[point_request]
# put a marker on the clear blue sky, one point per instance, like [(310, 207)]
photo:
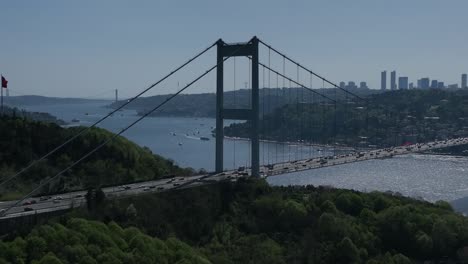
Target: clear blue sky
[(85, 48)]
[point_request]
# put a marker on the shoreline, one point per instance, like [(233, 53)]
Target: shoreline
[(294, 143)]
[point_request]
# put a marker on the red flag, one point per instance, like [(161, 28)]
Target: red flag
[(4, 82)]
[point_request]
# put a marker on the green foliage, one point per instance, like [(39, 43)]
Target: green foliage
[(87, 242), (118, 162), (389, 119), (252, 222)]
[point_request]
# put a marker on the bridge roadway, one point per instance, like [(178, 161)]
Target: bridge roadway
[(75, 199)]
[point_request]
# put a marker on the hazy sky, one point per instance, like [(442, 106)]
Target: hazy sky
[(87, 48)]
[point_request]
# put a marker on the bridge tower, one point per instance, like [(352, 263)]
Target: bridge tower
[(230, 50)]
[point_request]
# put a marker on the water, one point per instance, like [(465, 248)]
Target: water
[(431, 177)]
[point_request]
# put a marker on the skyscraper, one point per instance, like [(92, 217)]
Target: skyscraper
[(424, 83), (403, 83), (363, 85), (419, 86), (434, 84), (393, 80), (383, 80), (464, 83), (411, 86), (441, 85)]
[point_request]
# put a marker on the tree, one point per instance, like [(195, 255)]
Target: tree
[(347, 252)]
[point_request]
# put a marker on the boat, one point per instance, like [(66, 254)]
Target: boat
[(74, 120), (204, 138), (180, 144)]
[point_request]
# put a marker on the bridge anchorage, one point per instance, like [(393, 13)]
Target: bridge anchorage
[(249, 49)]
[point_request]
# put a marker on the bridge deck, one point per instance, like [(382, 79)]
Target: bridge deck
[(66, 201)]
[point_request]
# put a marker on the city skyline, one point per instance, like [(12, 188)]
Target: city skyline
[(422, 83), (62, 48)]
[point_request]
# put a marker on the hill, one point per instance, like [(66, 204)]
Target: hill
[(37, 116), (120, 161), (252, 222), (37, 99), (89, 242), (391, 118), (204, 105)]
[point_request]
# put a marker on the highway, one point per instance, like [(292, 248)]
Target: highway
[(75, 199)]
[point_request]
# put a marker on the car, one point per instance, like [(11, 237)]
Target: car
[(2, 212), (44, 198), (58, 198), (146, 188), (79, 195), (160, 188), (175, 184), (56, 201), (127, 187), (27, 203), (152, 187), (28, 209)]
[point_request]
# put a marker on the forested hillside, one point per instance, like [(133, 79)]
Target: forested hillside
[(37, 116), (252, 222), (390, 118), (204, 105), (120, 161), (89, 242)]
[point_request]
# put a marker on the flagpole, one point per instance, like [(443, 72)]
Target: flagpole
[(2, 96)]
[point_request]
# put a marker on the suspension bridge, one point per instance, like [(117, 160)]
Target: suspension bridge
[(288, 103)]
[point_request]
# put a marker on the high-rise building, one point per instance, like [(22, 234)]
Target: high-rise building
[(453, 86), (351, 85), (342, 85), (440, 85), (411, 86), (464, 81), (393, 80), (434, 84), (403, 83), (383, 80), (425, 83), (363, 85), (419, 84)]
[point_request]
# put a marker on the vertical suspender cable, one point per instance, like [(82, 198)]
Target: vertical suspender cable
[(235, 106), (269, 102)]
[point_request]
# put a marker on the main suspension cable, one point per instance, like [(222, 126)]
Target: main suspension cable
[(84, 130), (121, 131)]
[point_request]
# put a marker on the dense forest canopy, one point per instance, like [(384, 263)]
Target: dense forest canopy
[(252, 222), (90, 242), (385, 119), (120, 161)]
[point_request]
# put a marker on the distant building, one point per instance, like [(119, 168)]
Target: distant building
[(434, 84), (440, 85), (342, 85), (403, 83), (383, 80), (393, 80), (419, 86), (411, 86), (351, 85), (452, 86), (425, 83), (363, 85), (464, 83)]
